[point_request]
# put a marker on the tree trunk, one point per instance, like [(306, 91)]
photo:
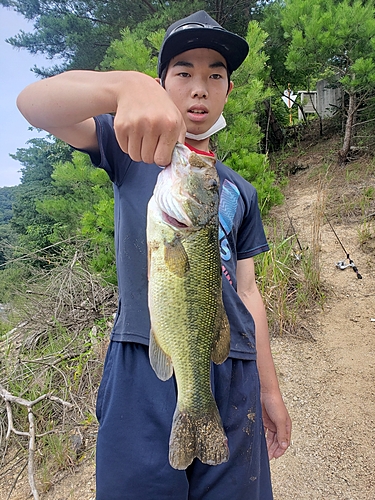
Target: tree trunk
[(343, 154), (274, 133)]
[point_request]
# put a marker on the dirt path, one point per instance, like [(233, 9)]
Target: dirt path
[(327, 382)]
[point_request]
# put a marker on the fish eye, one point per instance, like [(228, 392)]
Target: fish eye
[(212, 183)]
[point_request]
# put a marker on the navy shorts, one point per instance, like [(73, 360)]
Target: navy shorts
[(135, 411)]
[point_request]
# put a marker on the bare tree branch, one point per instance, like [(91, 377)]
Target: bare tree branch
[(8, 398)]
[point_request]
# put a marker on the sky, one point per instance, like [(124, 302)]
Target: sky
[(16, 73)]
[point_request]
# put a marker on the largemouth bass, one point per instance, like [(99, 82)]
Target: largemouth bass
[(189, 326)]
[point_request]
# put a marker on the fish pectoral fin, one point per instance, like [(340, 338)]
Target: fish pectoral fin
[(176, 258), (160, 362), (221, 341)]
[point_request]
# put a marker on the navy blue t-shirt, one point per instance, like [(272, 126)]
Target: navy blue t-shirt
[(241, 236)]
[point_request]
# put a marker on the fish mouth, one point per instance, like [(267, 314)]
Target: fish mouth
[(173, 222)]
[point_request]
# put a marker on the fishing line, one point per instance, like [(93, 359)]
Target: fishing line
[(341, 264)]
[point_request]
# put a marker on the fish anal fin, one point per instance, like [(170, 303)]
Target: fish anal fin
[(160, 362), (221, 341), (176, 258)]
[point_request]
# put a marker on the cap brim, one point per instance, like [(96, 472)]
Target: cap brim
[(231, 46)]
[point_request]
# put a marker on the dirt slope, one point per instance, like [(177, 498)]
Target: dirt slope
[(328, 379), (328, 384)]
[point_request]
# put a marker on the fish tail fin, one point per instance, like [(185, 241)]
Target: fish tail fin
[(200, 436)]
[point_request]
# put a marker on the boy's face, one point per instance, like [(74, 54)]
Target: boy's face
[(197, 82)]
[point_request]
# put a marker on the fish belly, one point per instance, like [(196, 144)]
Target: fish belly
[(188, 329)]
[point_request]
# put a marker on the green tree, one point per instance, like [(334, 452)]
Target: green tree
[(135, 50), (79, 33), (334, 40), (239, 144), (81, 208), (276, 48), (6, 202), (37, 163), (7, 195)]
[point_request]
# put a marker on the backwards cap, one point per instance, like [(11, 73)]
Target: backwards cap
[(201, 31)]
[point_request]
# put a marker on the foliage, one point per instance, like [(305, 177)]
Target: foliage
[(6, 201), (255, 168), (79, 33), (11, 276), (57, 202), (82, 207), (6, 211), (276, 45), (132, 52), (334, 40), (37, 160), (287, 282), (238, 145)]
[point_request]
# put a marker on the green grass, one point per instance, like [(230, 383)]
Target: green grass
[(289, 283)]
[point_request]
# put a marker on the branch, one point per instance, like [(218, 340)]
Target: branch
[(150, 7), (8, 398)]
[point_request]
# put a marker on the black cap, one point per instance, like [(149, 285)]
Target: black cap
[(201, 31)]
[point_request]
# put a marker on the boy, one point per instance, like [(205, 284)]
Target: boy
[(134, 407)]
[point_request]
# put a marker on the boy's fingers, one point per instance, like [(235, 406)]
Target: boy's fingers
[(134, 147), (148, 148), (151, 138), (182, 136), (163, 152), (167, 142)]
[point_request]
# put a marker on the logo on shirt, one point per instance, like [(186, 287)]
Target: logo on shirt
[(227, 211)]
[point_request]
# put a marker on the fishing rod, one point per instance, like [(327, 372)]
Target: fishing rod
[(341, 264)]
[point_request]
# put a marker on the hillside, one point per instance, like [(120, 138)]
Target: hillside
[(326, 367), (327, 376)]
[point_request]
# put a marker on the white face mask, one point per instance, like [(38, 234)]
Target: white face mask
[(218, 125)]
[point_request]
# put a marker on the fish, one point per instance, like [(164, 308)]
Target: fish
[(189, 325)]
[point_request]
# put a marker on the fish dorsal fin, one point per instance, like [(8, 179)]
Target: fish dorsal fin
[(160, 362), (176, 258), (221, 341)]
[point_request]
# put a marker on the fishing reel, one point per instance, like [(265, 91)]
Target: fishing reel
[(341, 264)]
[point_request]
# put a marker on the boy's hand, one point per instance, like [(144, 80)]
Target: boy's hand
[(148, 125), (277, 425)]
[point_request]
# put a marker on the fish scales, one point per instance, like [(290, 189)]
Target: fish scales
[(189, 326)]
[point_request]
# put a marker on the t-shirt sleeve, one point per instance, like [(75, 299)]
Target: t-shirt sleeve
[(251, 238), (109, 150)]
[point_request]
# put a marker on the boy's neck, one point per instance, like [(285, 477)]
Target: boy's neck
[(201, 145)]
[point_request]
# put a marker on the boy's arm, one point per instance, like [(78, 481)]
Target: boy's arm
[(147, 123), (276, 419)]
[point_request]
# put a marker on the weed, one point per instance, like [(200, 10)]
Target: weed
[(366, 232), (324, 170), (58, 350), (287, 282)]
